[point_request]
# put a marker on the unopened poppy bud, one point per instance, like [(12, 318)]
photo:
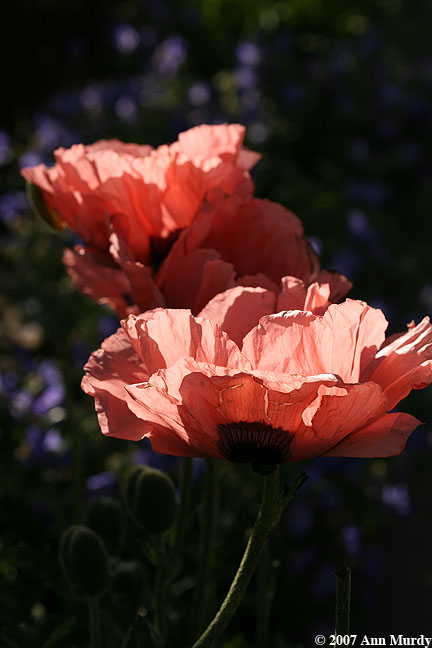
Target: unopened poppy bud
[(105, 516), (129, 579), (84, 561), (151, 499), (40, 209)]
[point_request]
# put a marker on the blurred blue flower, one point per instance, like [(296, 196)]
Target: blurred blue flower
[(126, 109), (126, 38), (20, 403), (91, 99), (8, 382), (199, 93), (12, 205), (44, 448), (396, 496), (351, 539), (50, 133), (247, 53), (29, 159), (53, 441), (102, 483), (169, 55), (6, 152), (54, 393), (245, 77)]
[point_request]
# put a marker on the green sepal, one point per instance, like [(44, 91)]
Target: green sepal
[(49, 217)]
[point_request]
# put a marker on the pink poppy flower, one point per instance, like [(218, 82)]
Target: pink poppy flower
[(144, 195), (302, 385), (231, 242), (237, 310)]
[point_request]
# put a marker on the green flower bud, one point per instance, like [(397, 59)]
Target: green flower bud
[(41, 210), (151, 499), (84, 561), (129, 579), (105, 516)]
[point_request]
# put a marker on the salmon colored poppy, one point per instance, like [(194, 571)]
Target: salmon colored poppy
[(237, 310), (231, 242), (144, 195), (302, 385)]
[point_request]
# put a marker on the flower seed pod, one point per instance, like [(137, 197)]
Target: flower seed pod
[(105, 516), (151, 499), (84, 561)]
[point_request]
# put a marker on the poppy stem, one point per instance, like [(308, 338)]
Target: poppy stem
[(208, 528), (269, 514), (94, 622), (162, 583), (266, 587), (184, 507), (343, 594)]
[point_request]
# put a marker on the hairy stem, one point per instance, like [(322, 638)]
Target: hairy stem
[(184, 507), (343, 595), (269, 514), (208, 528), (94, 622)]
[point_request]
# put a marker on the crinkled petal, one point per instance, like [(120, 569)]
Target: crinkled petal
[(384, 437), (94, 274), (163, 336), (342, 341), (239, 309), (404, 364), (190, 281), (108, 371)]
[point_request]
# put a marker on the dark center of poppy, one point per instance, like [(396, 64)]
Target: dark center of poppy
[(257, 443)]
